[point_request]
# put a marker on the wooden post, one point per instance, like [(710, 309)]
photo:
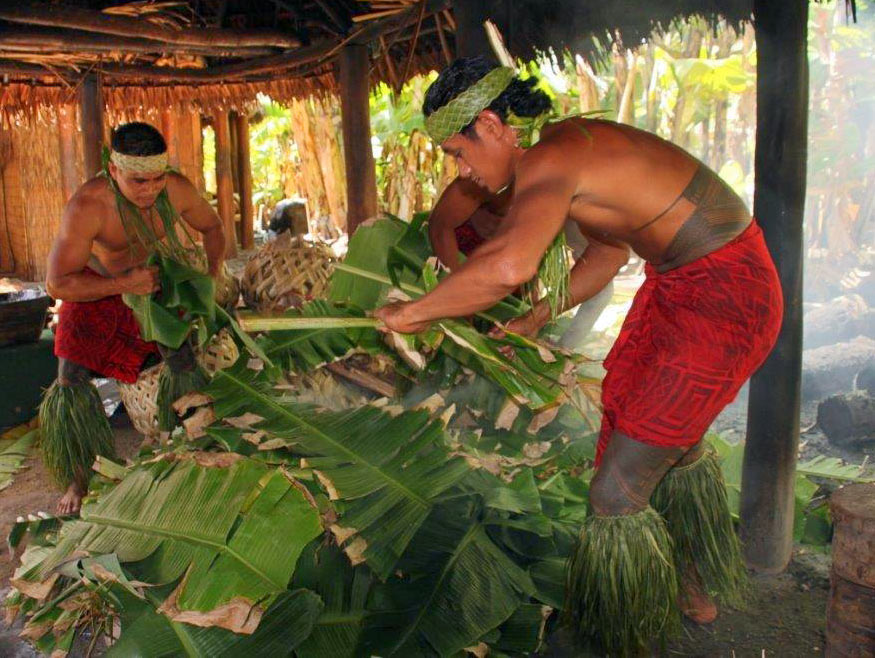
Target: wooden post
[(169, 128), (224, 184), (769, 467), (67, 150), (244, 170), (361, 175), (91, 121)]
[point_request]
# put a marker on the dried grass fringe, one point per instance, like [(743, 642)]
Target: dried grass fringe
[(74, 429), (171, 387), (693, 501), (621, 589)]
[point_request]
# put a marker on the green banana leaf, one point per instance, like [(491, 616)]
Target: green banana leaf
[(338, 631), (307, 349), (13, 453), (186, 294), (386, 470), (466, 586), (235, 531), (150, 634)]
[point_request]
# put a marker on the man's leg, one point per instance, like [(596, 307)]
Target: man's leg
[(692, 499), (622, 584), (74, 430)]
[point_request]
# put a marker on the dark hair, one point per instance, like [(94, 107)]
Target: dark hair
[(137, 138), (520, 97)]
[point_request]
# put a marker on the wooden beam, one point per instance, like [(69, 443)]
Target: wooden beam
[(52, 40), (244, 169), (54, 15), (91, 122), (768, 472), (445, 47), (361, 183), (67, 150), (224, 184), (341, 22)]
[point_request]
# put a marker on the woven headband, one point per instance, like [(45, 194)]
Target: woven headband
[(464, 108), (140, 164)]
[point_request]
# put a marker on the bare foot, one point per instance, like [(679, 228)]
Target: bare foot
[(71, 501), (695, 603)]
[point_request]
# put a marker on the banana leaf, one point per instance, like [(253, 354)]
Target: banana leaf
[(338, 631), (235, 531), (466, 586), (13, 453), (385, 470), (186, 294), (147, 633), (307, 349)]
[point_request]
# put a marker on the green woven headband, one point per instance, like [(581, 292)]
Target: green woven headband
[(464, 108)]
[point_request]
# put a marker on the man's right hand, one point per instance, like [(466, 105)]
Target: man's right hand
[(141, 281)]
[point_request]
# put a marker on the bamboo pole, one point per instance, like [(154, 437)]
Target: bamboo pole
[(169, 129), (53, 15), (361, 176), (91, 122), (224, 184), (244, 169), (768, 470), (445, 47), (67, 150)]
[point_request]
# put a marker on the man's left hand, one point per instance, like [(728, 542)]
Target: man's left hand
[(397, 317)]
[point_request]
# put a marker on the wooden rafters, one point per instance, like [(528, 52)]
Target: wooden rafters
[(29, 13)]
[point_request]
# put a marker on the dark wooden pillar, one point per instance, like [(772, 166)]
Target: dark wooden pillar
[(67, 150), (224, 184), (244, 170), (361, 175), (91, 121), (779, 199)]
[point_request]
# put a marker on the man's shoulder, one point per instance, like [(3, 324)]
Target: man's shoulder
[(181, 190), (92, 196)]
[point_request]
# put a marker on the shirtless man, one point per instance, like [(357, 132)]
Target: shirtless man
[(94, 260), (466, 215), (706, 317)]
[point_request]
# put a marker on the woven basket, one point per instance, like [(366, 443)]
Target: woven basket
[(141, 397), (286, 272), (141, 401)]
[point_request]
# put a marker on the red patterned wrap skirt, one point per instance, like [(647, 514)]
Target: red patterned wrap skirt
[(692, 337), (102, 335)]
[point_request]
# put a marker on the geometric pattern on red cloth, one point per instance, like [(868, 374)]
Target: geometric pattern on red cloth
[(102, 335), (692, 338), (467, 237)]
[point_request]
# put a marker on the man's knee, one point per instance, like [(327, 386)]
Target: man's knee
[(609, 495), (70, 373)]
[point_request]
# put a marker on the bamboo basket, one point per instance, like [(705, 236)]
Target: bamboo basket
[(285, 273), (141, 397)]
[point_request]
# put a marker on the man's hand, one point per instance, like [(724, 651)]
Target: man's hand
[(141, 281), (397, 317), (525, 325)]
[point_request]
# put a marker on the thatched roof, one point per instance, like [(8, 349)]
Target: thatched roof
[(221, 52)]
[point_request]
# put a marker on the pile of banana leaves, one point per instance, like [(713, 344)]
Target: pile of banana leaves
[(434, 522), (289, 519)]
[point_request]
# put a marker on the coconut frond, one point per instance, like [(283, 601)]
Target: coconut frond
[(232, 527), (693, 501), (73, 431), (387, 470), (13, 452), (621, 583)]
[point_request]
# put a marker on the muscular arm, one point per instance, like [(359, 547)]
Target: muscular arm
[(65, 279), (198, 214), (456, 204), (541, 202)]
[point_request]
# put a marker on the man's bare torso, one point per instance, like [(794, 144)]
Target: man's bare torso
[(113, 250), (629, 186)]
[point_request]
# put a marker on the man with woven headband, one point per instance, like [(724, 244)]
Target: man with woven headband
[(659, 539), (94, 260)]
